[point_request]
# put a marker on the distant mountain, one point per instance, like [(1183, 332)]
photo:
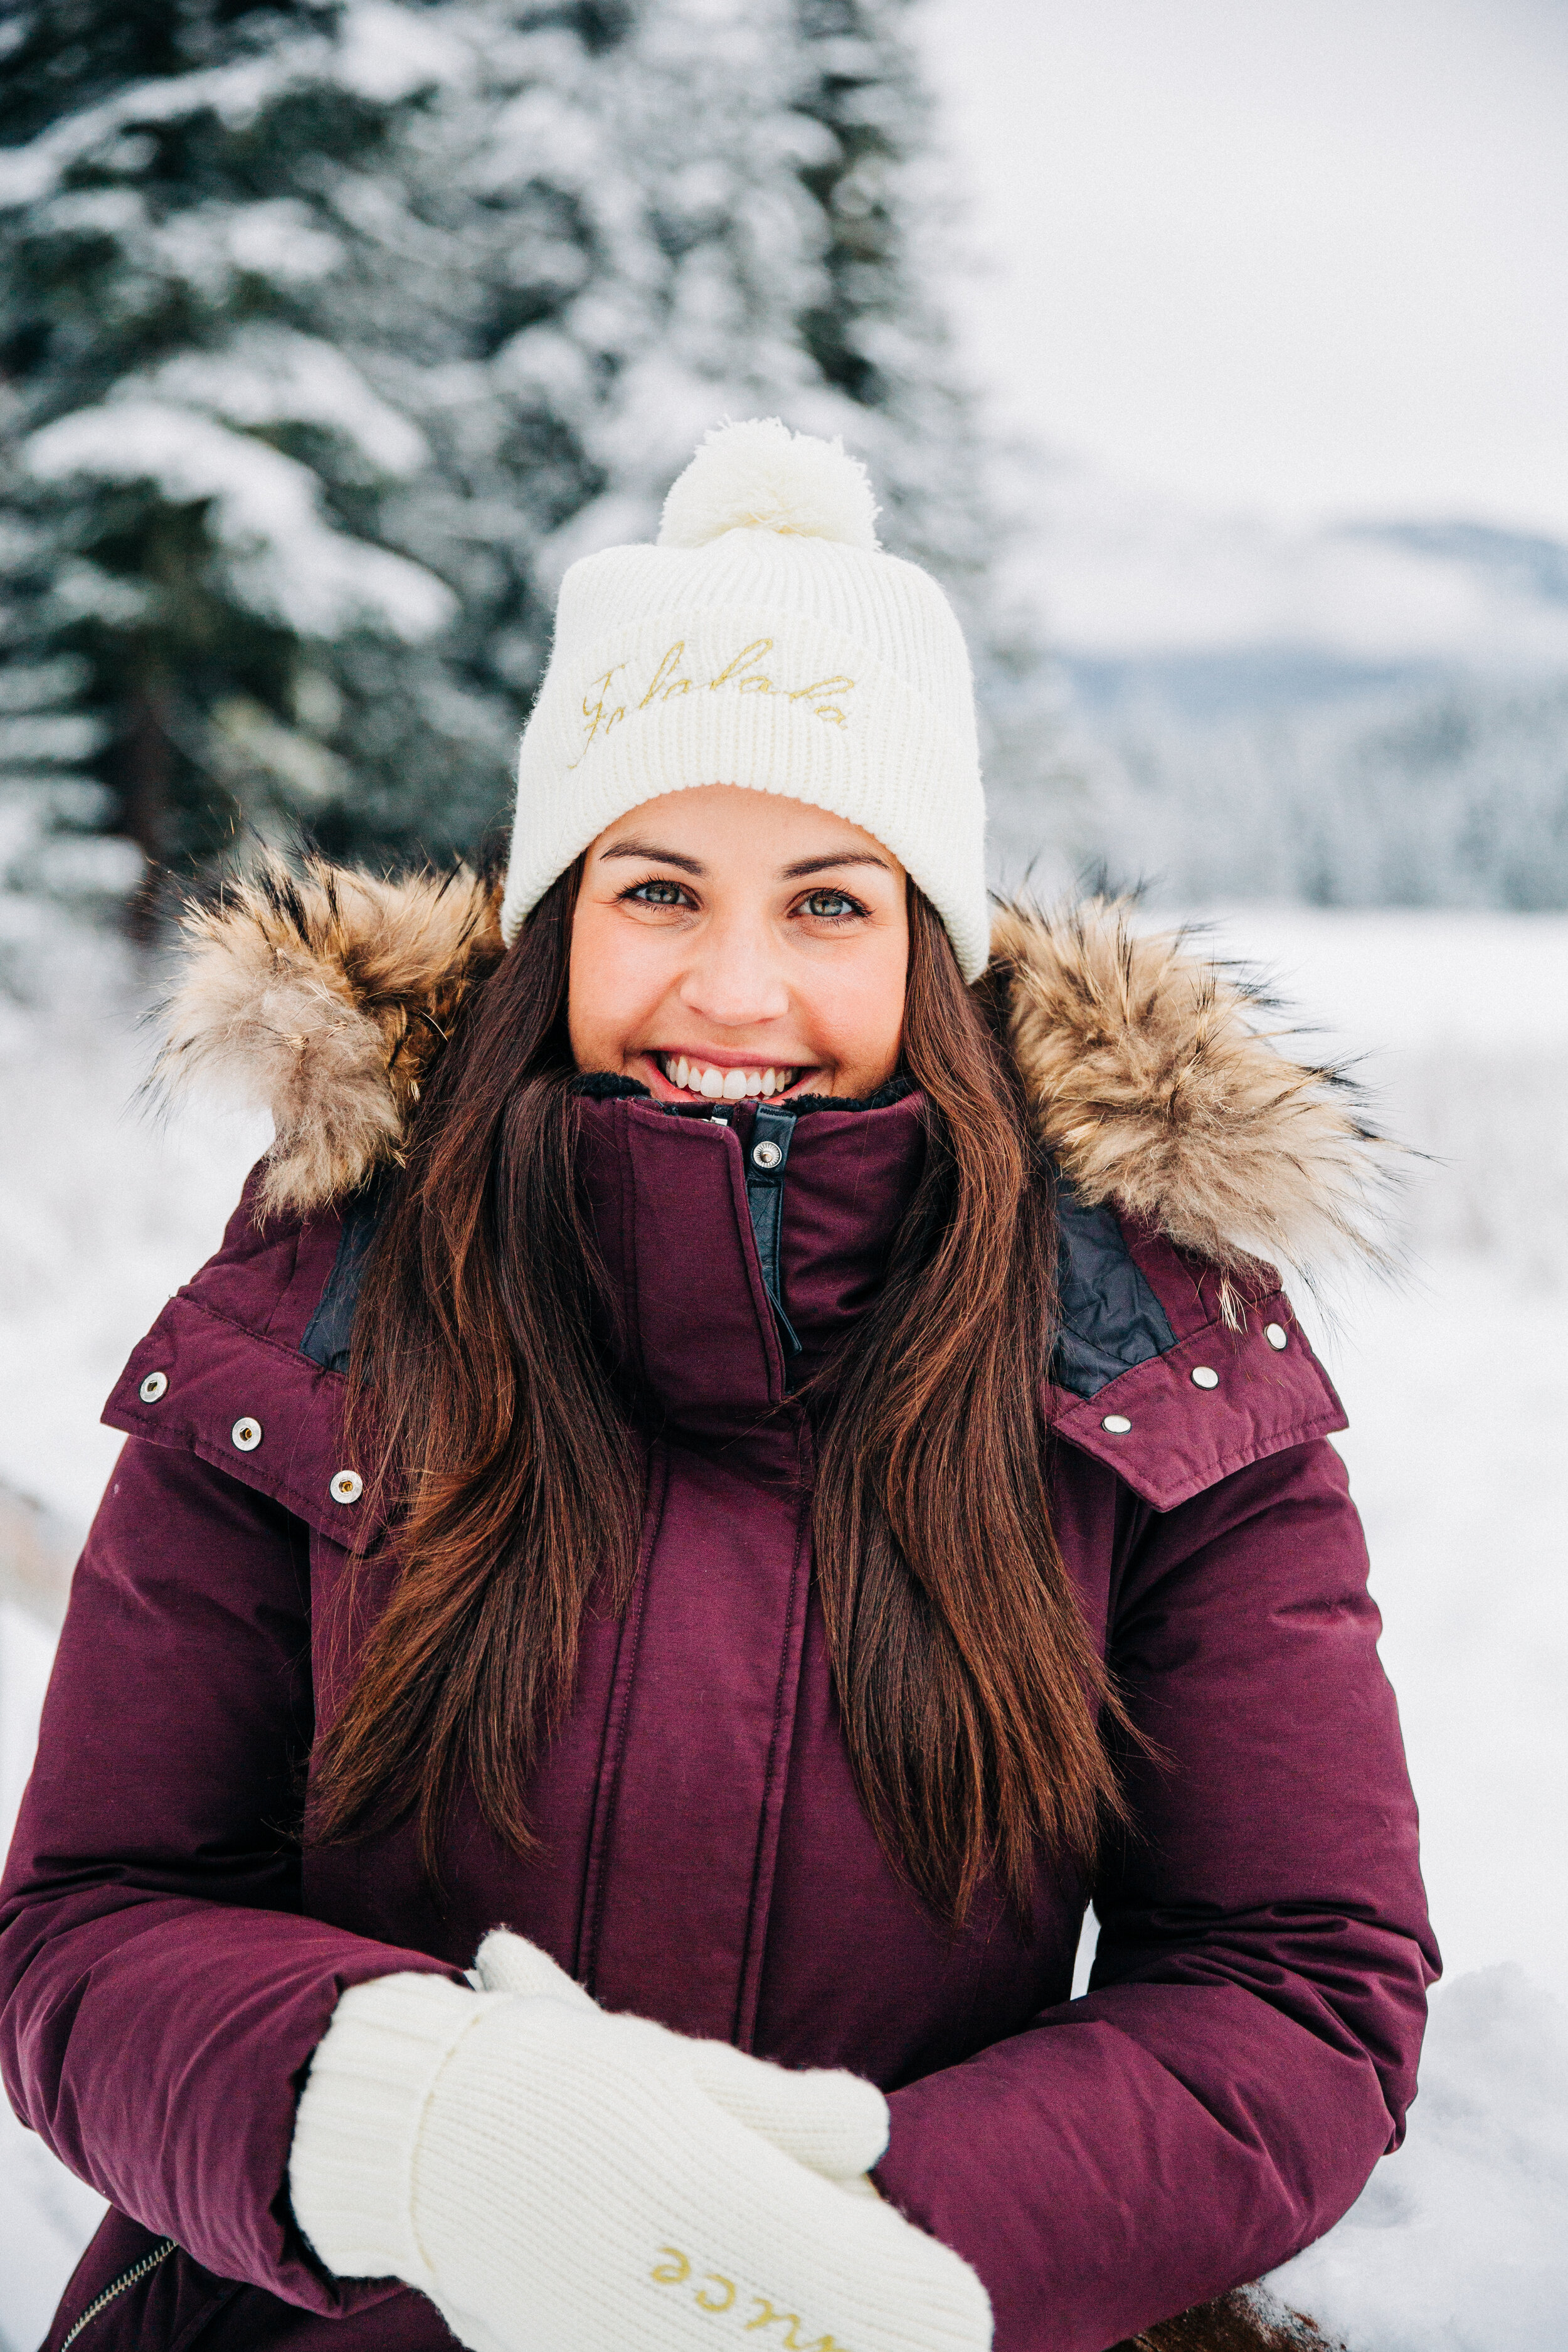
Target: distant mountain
[(1524, 561), (1363, 712), (1122, 575)]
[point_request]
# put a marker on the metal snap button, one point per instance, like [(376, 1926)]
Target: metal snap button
[(1203, 1377), (1277, 1335), (346, 1487), (154, 1387), (766, 1154), (1117, 1424), (246, 1433)]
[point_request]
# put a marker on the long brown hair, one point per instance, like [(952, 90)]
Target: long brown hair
[(969, 1689)]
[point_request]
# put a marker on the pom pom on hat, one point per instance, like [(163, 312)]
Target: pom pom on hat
[(759, 475)]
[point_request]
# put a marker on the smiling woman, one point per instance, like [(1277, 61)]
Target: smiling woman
[(732, 944), (738, 1462)]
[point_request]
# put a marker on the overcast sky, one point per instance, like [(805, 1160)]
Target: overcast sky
[(1304, 258)]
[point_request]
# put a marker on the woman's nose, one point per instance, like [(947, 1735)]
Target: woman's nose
[(735, 982)]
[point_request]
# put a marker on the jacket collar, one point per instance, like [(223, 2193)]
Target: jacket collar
[(699, 1332), (1169, 1373)]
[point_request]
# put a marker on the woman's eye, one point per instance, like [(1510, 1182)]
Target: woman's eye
[(658, 893), (830, 905)]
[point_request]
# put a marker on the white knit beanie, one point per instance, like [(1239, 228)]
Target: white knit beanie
[(765, 641)]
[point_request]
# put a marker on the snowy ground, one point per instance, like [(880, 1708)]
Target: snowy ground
[(1457, 1385)]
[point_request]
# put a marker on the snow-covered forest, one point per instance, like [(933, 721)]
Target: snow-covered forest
[(1350, 716), (330, 332), (334, 336)]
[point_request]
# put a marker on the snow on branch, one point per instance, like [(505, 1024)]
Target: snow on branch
[(284, 558)]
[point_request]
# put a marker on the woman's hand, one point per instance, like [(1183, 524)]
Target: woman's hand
[(549, 2174), (833, 2121)]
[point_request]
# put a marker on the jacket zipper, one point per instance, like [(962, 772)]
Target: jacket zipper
[(772, 1134), (159, 2253)]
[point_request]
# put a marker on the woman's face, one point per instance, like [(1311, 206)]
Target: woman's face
[(730, 943)]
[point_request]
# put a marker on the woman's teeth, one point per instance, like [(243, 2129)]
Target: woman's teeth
[(724, 1085)]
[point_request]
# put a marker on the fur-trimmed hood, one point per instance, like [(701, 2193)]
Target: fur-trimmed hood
[(325, 995)]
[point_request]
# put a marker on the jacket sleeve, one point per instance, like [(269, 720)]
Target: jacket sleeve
[(1247, 2046), (159, 1991)]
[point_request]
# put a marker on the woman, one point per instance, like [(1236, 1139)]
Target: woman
[(739, 1459)]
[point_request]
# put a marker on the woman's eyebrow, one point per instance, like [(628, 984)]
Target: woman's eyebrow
[(650, 849), (794, 872), (820, 865)]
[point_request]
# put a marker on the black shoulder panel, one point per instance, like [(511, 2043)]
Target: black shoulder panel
[(1110, 1318), (329, 1335)]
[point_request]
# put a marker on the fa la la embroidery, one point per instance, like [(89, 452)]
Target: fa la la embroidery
[(741, 672)]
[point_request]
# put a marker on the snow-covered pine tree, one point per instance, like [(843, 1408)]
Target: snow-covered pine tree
[(783, 152), (875, 331), (201, 458), (50, 805), (589, 256), (770, 239), (335, 330)]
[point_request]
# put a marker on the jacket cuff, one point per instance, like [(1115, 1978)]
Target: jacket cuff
[(350, 2166)]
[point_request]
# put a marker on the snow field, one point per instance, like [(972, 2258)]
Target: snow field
[(1457, 2244), (1455, 1381), (108, 1200), (1457, 1385)]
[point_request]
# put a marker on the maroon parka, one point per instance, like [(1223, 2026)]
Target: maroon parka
[(169, 1955)]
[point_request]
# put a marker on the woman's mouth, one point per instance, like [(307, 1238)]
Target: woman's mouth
[(724, 1085)]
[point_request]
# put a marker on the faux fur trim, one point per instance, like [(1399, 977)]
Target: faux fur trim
[(324, 994), (1155, 1085)]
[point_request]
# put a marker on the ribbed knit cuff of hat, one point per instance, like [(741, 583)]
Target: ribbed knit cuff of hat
[(351, 2168)]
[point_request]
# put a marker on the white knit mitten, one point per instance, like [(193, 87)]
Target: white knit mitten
[(833, 2121), (555, 2180)]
